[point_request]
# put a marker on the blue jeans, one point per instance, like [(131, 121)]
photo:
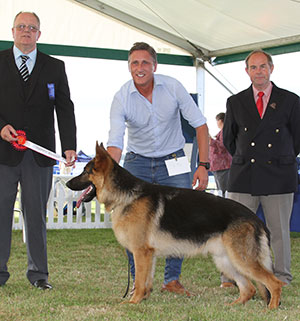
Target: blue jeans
[(154, 170)]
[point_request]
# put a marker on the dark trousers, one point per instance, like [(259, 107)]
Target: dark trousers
[(35, 185)]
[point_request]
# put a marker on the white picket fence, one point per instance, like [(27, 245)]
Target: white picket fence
[(61, 213)]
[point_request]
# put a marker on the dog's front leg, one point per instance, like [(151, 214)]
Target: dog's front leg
[(143, 259), (149, 283)]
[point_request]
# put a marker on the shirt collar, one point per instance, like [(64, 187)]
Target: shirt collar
[(18, 53), (157, 81), (267, 91)]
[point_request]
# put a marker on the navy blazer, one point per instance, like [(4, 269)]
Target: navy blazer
[(32, 110), (264, 150)]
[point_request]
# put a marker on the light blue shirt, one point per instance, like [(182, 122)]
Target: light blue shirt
[(29, 63), (154, 129)]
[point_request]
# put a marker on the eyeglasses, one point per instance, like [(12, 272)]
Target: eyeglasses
[(31, 28)]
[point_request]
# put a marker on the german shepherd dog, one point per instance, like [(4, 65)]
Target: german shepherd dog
[(153, 220)]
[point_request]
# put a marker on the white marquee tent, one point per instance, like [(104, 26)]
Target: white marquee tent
[(202, 28), (184, 32), (210, 28)]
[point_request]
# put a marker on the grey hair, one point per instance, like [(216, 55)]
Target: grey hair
[(269, 57)]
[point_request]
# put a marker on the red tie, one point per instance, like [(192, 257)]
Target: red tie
[(259, 103)]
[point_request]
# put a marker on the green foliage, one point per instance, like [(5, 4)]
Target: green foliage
[(88, 270)]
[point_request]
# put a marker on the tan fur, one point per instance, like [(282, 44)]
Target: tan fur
[(235, 252)]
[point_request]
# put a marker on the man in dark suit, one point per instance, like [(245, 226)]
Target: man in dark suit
[(264, 149), (28, 98)]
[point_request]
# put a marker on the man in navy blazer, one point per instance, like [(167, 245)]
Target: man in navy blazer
[(29, 105), (264, 149)]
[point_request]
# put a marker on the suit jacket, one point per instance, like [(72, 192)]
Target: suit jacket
[(31, 107), (264, 150)]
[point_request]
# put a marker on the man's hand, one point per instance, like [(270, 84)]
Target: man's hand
[(200, 176), (70, 157), (115, 153), (8, 133)]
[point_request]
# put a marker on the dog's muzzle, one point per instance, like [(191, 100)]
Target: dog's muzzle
[(87, 195)]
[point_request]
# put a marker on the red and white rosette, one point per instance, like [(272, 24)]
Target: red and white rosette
[(22, 144)]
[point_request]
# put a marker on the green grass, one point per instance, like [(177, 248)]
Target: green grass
[(88, 270)]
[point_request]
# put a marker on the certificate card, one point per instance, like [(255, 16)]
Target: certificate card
[(176, 166)]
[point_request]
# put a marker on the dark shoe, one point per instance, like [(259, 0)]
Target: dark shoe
[(42, 285), (176, 287)]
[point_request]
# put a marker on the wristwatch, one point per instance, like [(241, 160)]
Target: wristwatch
[(205, 164)]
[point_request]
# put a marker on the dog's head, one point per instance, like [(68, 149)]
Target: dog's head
[(91, 180)]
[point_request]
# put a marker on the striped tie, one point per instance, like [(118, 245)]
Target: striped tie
[(23, 68)]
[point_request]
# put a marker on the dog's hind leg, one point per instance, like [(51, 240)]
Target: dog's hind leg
[(246, 288), (251, 256), (264, 292), (269, 286), (143, 259)]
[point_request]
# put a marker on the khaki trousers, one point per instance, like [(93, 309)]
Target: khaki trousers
[(277, 211)]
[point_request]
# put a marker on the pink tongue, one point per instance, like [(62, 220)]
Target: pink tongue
[(82, 196)]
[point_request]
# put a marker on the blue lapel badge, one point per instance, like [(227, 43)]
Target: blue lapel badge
[(51, 91)]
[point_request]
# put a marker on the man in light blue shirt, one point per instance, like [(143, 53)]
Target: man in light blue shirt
[(149, 106)]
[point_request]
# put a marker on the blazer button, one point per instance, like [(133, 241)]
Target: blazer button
[(277, 130), (252, 144), (269, 162), (269, 145), (252, 160), (245, 129)]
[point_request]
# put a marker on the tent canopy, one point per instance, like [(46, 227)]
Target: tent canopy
[(212, 28)]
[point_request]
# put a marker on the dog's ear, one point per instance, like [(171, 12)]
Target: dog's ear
[(102, 158), (100, 151), (99, 146)]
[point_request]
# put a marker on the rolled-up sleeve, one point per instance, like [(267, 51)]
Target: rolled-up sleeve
[(190, 111)]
